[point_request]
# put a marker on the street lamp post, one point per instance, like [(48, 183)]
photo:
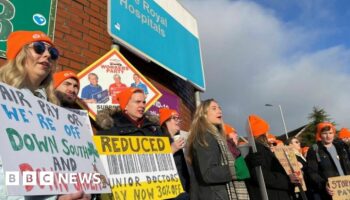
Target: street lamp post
[(284, 123)]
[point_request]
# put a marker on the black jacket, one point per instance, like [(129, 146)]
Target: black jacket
[(277, 182), (210, 177), (321, 166), (182, 169), (122, 125)]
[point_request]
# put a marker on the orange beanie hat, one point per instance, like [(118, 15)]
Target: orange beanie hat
[(271, 137), (61, 76), (258, 125), (228, 129), (304, 150), (18, 39), (344, 133), (279, 142), (125, 95), (165, 114), (322, 125)]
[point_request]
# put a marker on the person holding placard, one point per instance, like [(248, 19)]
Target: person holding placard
[(31, 61), (296, 144), (325, 159), (278, 184), (170, 125), (211, 161), (129, 119)]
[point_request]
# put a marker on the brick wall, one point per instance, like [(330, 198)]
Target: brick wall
[(81, 32), (81, 37)]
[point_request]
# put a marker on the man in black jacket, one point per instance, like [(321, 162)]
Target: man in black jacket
[(327, 158), (130, 119)]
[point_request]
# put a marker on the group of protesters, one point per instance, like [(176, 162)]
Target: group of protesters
[(209, 163)]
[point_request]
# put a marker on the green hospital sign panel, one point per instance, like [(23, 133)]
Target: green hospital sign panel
[(25, 15)]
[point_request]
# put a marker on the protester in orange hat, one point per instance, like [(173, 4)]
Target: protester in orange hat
[(344, 135), (130, 119), (170, 120), (241, 169), (325, 159), (231, 133), (304, 151), (279, 143), (321, 126), (31, 61), (271, 137), (66, 84), (272, 141), (258, 126), (278, 184)]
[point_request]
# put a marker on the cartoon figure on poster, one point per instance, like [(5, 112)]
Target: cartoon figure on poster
[(89, 92), (103, 80), (138, 84), (115, 88)]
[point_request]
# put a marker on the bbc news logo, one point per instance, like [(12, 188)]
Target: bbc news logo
[(28, 178)]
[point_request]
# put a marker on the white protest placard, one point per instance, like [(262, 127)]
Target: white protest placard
[(139, 167), (47, 149)]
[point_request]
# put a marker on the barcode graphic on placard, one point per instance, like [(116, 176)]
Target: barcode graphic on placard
[(137, 163)]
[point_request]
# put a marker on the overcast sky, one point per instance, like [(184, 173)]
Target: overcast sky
[(292, 53)]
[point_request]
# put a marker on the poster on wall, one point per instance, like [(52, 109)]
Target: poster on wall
[(103, 80), (46, 149), (167, 100), (26, 15)]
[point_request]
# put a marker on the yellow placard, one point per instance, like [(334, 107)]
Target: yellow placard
[(113, 145), (139, 167)]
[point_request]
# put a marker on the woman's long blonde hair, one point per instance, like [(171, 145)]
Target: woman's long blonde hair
[(14, 74), (200, 125)]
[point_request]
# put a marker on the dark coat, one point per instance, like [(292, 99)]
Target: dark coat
[(210, 177), (277, 181), (182, 169), (122, 125), (321, 166), (304, 169)]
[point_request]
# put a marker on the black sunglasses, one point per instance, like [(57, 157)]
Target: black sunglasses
[(40, 47), (273, 144)]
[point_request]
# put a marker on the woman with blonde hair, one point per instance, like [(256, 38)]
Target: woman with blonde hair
[(212, 163), (31, 61), (29, 66)]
